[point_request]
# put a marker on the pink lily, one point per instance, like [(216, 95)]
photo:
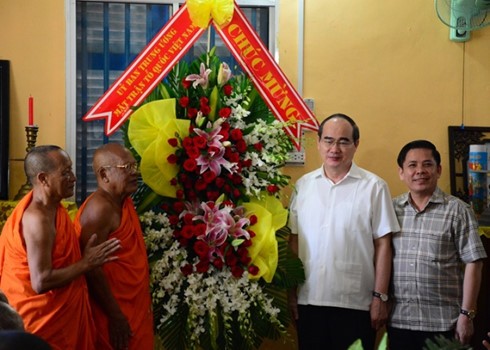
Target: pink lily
[(214, 160), (200, 79)]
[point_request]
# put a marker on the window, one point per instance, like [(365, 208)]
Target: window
[(109, 35)]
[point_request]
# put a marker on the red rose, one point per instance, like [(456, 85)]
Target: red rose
[(187, 142), (191, 113), (258, 146), (173, 142), (225, 134), (203, 101), (231, 259), (192, 152), (213, 149), (180, 194), (225, 126), (227, 89), (219, 182), (172, 159), (253, 219), (236, 179), (202, 266), (178, 206), (247, 163), (205, 110), (186, 269), (245, 260), (200, 142), (237, 271), (201, 249), (188, 218), (173, 219), (233, 157), (272, 188), (190, 164), (209, 176), (184, 101), (253, 270), (186, 83), (187, 231), (241, 146), (201, 184), (236, 134), (236, 193), (212, 195), (200, 229), (229, 203), (247, 243), (218, 263), (225, 112)]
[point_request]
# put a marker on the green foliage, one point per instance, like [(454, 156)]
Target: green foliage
[(441, 342)]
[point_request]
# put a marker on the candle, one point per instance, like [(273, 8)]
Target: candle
[(31, 111)]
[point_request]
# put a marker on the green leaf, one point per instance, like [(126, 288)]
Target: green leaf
[(213, 103), (441, 342), (163, 91), (237, 242)]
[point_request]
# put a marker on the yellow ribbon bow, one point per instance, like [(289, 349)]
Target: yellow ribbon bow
[(202, 11), (264, 249), (150, 128)]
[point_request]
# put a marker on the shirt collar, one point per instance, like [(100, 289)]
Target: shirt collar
[(437, 197), (354, 172)]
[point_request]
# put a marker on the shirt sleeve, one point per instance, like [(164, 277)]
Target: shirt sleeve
[(468, 240), (293, 213), (384, 217)]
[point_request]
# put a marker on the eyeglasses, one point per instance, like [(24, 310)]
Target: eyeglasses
[(129, 167), (342, 143)]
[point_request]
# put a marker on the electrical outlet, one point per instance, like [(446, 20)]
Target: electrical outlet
[(296, 158), (310, 103)]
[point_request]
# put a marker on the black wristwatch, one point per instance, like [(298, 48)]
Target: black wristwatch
[(471, 314), (382, 296)]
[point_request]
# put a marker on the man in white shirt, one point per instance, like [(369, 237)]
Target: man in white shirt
[(341, 218)]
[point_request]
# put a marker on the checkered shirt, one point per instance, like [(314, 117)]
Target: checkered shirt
[(429, 256)]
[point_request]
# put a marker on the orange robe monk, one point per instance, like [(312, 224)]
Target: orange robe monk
[(61, 316), (128, 278)]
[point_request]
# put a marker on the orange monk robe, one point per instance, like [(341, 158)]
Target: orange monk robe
[(61, 316), (128, 278)]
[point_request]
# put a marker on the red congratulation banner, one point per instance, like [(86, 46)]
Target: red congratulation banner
[(146, 71), (172, 42), (281, 97)]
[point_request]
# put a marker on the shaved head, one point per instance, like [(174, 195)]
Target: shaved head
[(108, 154), (39, 160)]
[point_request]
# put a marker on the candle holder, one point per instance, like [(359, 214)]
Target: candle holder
[(31, 135)]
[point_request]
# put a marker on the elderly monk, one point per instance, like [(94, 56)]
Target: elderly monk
[(120, 295), (41, 266)]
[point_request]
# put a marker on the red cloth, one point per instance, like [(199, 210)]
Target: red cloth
[(128, 277), (61, 316)]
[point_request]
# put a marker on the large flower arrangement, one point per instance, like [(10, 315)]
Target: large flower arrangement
[(210, 156)]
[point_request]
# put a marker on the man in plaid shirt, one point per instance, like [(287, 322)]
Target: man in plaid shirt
[(437, 256)]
